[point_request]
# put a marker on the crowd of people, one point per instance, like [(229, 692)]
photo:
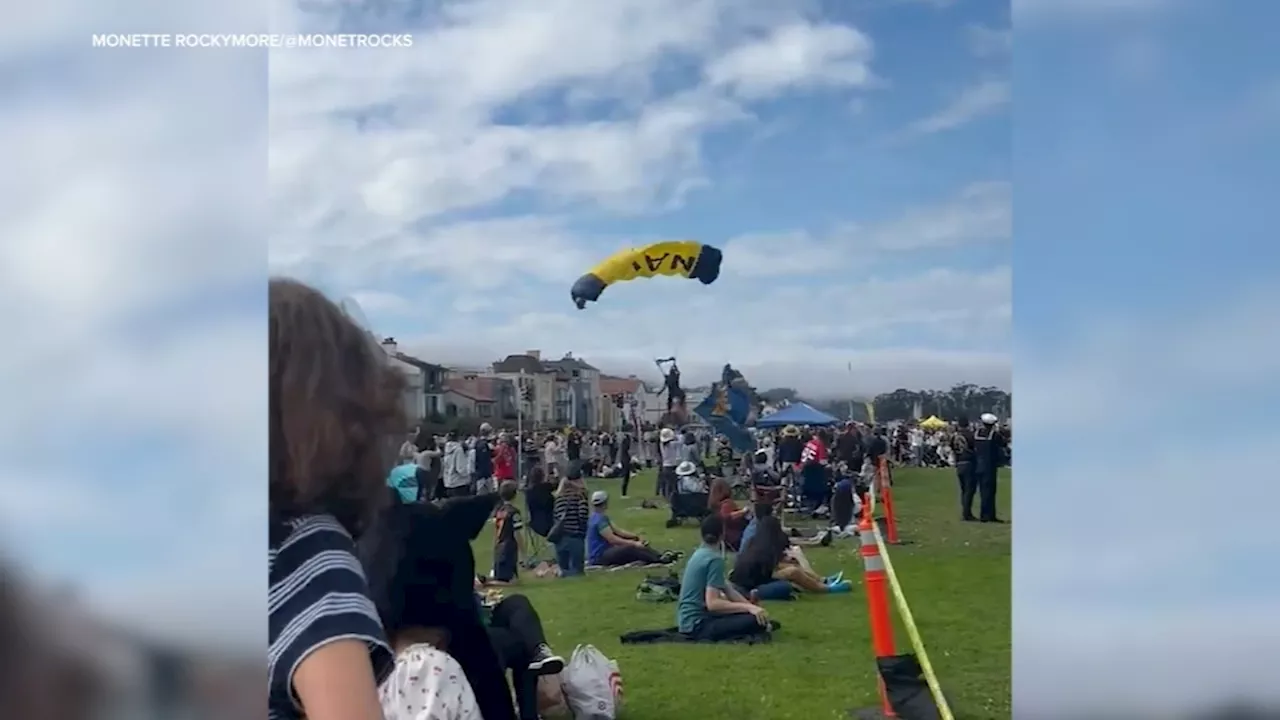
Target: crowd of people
[(376, 608)]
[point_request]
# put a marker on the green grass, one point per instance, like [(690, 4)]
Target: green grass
[(955, 576)]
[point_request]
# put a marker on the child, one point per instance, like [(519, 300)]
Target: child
[(507, 544)]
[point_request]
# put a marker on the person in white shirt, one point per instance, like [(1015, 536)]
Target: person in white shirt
[(454, 467)]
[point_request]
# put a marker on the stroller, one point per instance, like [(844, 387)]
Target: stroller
[(690, 496)]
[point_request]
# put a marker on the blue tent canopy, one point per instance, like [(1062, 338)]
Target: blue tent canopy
[(797, 413)]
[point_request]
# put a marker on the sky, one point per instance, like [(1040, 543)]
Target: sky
[(1139, 153), (851, 159)]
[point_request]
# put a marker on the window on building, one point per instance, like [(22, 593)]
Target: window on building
[(451, 410), (484, 410)]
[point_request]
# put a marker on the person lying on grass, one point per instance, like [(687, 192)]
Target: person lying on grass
[(611, 546), (767, 557), (709, 608)]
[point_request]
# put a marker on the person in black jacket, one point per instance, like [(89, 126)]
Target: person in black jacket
[(989, 454), (966, 475)]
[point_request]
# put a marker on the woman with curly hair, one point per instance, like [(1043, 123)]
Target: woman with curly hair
[(335, 418)]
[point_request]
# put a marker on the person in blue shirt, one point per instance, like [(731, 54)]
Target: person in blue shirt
[(710, 609), (609, 546)]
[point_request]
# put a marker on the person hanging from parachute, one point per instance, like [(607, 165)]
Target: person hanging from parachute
[(671, 381), (670, 258)]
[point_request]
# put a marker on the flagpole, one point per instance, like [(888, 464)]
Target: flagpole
[(520, 429)]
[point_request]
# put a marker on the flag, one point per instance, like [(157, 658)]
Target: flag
[(871, 411)]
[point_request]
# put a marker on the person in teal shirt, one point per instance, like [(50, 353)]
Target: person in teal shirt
[(710, 609), (404, 480)]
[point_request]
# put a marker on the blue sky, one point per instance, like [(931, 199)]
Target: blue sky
[(855, 152), (1143, 156), (1146, 140)]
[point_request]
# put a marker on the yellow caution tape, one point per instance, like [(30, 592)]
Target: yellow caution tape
[(904, 611)]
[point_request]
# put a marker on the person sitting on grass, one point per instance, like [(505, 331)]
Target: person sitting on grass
[(515, 630), (611, 546), (709, 608), (767, 558), (508, 545), (735, 520)]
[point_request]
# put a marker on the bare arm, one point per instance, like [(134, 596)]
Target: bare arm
[(612, 537), (719, 603), (335, 682)]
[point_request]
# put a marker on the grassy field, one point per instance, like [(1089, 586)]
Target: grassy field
[(955, 575)]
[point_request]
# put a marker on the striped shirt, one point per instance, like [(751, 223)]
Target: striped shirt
[(571, 512), (317, 595)]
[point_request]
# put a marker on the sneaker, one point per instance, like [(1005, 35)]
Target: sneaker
[(546, 662), (826, 539), (625, 497), (833, 579), (843, 586)]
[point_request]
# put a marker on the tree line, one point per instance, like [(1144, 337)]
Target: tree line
[(902, 404)]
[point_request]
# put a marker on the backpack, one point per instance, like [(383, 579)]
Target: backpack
[(659, 589)]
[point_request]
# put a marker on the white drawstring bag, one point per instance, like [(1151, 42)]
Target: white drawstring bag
[(592, 685)]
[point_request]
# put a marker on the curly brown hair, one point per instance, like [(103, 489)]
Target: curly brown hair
[(335, 409)]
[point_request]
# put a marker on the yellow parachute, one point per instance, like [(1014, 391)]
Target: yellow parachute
[(676, 258)]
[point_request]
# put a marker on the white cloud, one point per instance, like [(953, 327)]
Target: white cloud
[(979, 213), (801, 55), (125, 230), (798, 334), (341, 195), (974, 102), (1173, 508)]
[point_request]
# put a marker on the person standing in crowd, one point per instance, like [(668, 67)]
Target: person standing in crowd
[(570, 514), (669, 451), (789, 448), (573, 446), (455, 468), (848, 448), (504, 459), (624, 460), (877, 450), (915, 445), (988, 450), (408, 449), (507, 543), (482, 462), (331, 404), (813, 470), (551, 455), (962, 447), (691, 450)]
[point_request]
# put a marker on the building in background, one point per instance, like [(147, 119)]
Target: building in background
[(616, 396), (582, 381), (424, 396), (537, 403)]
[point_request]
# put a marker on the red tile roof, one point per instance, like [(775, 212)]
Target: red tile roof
[(616, 385), (477, 389)]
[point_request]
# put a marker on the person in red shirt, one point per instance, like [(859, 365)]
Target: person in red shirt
[(813, 471), (504, 460), (720, 501)]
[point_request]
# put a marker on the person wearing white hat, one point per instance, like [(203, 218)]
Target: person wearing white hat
[(669, 449), (610, 546), (988, 450)]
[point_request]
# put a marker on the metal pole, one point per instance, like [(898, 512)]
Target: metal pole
[(519, 445)]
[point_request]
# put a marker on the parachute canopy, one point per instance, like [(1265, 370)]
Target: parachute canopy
[(676, 258)]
